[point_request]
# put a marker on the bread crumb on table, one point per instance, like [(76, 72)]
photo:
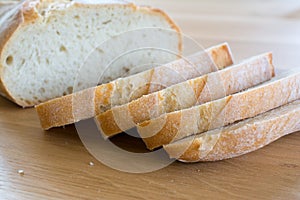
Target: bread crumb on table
[(21, 172), (91, 164)]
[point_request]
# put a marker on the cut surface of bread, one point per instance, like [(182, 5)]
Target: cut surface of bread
[(239, 138), (91, 102), (45, 42), (180, 124), (187, 94)]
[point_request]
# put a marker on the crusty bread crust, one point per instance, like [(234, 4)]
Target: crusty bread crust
[(28, 12), (7, 28), (60, 111), (240, 138), (187, 94), (177, 125)]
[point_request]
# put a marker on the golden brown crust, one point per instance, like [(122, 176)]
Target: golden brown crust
[(29, 12), (198, 85), (103, 95), (225, 111), (168, 133), (56, 111), (140, 110), (144, 105), (219, 55), (189, 93), (192, 153), (240, 138), (270, 58), (172, 124), (155, 104), (106, 125), (6, 31)]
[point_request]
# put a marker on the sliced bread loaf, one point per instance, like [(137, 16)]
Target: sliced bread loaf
[(91, 102), (44, 42), (177, 125), (239, 138), (187, 94)]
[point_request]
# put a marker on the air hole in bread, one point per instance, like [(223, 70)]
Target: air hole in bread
[(126, 70), (104, 108), (47, 61), (76, 17), (65, 93), (43, 13), (100, 50), (62, 48), (9, 60), (70, 90), (57, 32), (42, 90), (106, 22), (46, 81)]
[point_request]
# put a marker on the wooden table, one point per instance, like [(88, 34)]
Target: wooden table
[(56, 165)]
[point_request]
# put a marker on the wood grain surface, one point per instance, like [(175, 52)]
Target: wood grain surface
[(56, 164)]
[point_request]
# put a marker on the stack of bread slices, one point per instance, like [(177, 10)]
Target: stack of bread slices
[(200, 108), (217, 113)]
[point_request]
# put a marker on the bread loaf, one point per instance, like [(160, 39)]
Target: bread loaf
[(239, 138), (177, 125), (44, 43), (187, 94), (91, 102)]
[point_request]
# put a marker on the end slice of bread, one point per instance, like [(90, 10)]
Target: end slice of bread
[(239, 138), (45, 42), (190, 93)]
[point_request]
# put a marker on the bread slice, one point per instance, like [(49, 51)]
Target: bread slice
[(177, 125), (239, 138), (187, 94), (44, 43), (91, 102)]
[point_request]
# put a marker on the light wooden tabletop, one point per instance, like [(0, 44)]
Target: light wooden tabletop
[(56, 165)]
